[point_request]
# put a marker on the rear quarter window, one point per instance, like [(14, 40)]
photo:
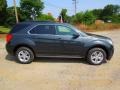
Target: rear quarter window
[(18, 27)]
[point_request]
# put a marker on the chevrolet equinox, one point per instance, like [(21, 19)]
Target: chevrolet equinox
[(28, 40)]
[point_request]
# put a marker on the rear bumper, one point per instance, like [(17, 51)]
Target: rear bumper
[(10, 49)]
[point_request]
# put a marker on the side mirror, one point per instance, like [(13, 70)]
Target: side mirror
[(76, 35)]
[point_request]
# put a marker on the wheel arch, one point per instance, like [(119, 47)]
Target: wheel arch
[(23, 45), (99, 46)]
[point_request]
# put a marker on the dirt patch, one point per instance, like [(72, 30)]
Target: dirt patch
[(3, 36)]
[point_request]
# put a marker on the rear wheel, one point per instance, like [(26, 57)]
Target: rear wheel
[(24, 55), (96, 56)]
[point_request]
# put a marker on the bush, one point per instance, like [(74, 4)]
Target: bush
[(44, 17), (86, 18), (102, 26)]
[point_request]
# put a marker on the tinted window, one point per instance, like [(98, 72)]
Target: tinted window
[(18, 27), (62, 30), (43, 29)]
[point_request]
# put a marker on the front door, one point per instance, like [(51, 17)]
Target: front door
[(71, 45)]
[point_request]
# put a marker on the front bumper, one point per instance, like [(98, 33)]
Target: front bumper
[(110, 52)]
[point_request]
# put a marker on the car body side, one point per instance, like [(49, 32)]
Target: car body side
[(66, 46)]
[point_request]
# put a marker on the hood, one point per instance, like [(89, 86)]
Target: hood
[(97, 36)]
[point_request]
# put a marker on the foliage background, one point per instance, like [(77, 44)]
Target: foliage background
[(98, 19)]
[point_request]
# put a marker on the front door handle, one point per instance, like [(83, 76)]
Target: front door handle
[(59, 38)]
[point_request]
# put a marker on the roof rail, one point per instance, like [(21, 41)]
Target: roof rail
[(41, 21), (36, 22)]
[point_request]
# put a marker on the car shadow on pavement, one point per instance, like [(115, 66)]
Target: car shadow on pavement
[(10, 58), (60, 60), (50, 60)]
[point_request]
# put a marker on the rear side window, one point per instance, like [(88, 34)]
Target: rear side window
[(43, 29), (18, 27)]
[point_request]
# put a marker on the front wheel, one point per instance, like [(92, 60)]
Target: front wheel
[(96, 56), (24, 55)]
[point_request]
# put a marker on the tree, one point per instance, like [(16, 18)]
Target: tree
[(31, 8), (84, 17), (97, 13), (10, 19), (63, 14), (3, 12), (79, 17), (88, 18), (115, 18), (109, 11), (45, 17)]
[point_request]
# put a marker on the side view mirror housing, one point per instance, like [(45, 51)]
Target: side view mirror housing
[(76, 35)]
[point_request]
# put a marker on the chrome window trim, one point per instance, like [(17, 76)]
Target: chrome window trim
[(40, 34)]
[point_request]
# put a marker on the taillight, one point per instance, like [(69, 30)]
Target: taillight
[(9, 37)]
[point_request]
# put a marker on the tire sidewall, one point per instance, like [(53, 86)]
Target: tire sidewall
[(28, 50), (93, 50)]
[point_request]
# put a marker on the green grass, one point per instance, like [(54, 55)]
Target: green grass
[(4, 30)]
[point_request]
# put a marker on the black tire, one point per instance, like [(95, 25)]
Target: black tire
[(95, 61), (29, 54)]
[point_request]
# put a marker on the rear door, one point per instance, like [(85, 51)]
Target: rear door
[(47, 43)]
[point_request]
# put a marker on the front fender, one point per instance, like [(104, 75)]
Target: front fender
[(96, 43)]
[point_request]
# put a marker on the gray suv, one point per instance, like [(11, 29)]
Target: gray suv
[(28, 40)]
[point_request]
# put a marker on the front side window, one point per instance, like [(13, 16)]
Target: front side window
[(63, 30), (43, 29)]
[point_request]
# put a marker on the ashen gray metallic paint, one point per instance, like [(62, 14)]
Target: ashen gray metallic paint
[(46, 44)]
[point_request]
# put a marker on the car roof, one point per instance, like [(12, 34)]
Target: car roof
[(25, 26)]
